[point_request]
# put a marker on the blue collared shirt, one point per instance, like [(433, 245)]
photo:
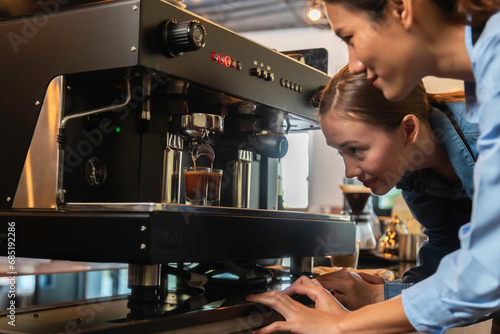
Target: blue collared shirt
[(466, 285)]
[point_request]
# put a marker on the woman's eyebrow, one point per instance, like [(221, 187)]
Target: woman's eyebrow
[(348, 142), (338, 32)]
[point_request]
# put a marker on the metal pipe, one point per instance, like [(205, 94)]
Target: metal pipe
[(99, 110), (62, 139)]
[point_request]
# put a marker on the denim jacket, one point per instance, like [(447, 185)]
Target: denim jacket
[(440, 205)]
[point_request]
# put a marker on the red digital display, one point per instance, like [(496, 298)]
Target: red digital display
[(226, 60)]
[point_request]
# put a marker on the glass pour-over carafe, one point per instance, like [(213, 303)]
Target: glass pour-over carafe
[(357, 196)]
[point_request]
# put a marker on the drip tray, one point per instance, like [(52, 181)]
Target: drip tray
[(159, 233)]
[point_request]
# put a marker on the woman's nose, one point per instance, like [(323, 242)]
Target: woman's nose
[(351, 170), (355, 65)]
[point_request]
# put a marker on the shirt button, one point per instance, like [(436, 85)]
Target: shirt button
[(459, 195)]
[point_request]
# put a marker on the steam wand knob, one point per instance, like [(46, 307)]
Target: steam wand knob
[(183, 37)]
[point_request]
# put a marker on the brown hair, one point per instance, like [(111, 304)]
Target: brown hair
[(376, 9), (478, 11), (352, 96), (473, 12)]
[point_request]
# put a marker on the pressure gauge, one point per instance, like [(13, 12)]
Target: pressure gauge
[(95, 171)]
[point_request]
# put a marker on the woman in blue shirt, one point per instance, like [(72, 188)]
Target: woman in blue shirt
[(440, 198), (396, 43)]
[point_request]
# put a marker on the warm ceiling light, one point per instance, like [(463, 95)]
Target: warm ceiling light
[(314, 14), (313, 11)]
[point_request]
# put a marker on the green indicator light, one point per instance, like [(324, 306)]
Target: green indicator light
[(118, 129)]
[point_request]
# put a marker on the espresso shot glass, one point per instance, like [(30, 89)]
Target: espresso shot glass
[(214, 185), (196, 185)]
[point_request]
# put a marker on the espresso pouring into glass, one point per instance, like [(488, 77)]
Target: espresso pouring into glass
[(196, 184), (203, 184)]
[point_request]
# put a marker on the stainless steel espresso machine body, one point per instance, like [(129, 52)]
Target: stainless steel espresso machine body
[(134, 93), (101, 106)]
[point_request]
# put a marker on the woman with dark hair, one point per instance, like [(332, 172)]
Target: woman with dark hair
[(396, 43)]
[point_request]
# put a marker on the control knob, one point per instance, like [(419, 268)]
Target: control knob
[(183, 37)]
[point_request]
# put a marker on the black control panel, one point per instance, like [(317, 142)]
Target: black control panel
[(230, 63)]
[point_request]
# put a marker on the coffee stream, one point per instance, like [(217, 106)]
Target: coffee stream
[(206, 150), (213, 180)]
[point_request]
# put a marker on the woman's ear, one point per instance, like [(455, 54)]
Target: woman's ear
[(402, 11), (410, 125)]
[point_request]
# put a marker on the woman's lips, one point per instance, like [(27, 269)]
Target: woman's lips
[(369, 183), (373, 79)]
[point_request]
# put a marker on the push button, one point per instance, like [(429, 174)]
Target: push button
[(256, 71), (265, 74)]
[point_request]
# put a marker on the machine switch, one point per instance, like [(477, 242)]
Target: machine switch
[(183, 37)]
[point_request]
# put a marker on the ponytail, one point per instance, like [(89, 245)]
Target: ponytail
[(440, 98), (477, 12)]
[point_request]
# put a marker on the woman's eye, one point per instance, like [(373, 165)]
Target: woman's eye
[(346, 39), (353, 150), (350, 151)]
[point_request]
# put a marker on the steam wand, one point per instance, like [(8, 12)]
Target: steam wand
[(61, 139)]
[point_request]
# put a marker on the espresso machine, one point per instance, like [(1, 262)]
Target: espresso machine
[(101, 106)]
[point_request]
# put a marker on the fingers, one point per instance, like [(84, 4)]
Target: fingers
[(316, 282), (372, 279), (345, 274), (292, 310), (284, 304), (342, 273), (334, 277), (337, 284), (309, 290), (278, 326), (330, 284), (347, 280), (302, 280), (279, 301), (322, 298), (341, 298)]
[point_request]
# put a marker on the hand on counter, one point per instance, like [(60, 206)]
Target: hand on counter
[(300, 318), (353, 290)]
